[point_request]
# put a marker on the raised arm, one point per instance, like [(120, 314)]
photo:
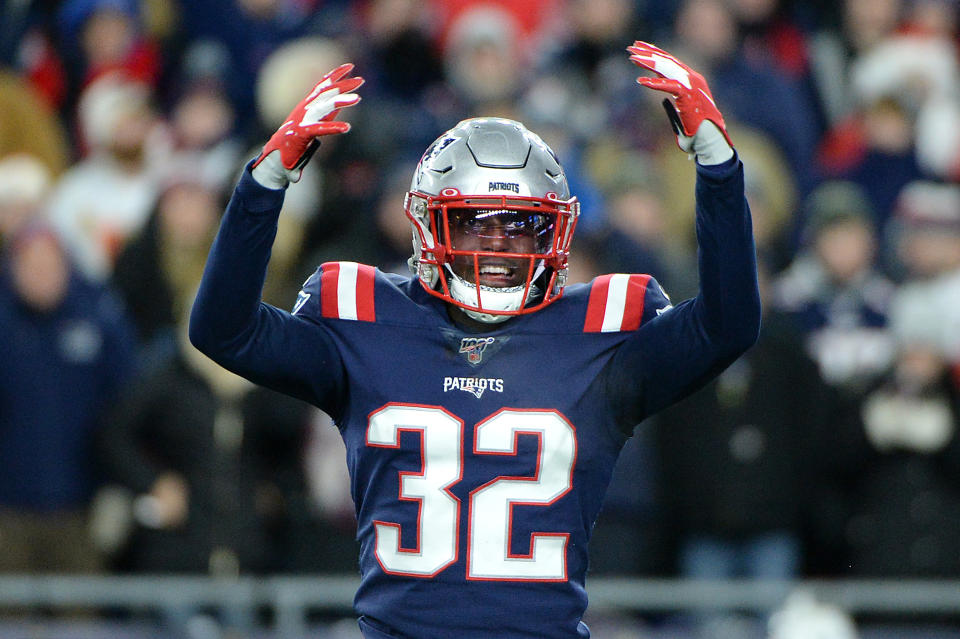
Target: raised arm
[(229, 323), (677, 352)]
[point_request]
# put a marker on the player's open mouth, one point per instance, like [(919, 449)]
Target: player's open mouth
[(499, 275)]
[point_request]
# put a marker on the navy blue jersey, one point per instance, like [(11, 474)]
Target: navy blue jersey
[(478, 461)]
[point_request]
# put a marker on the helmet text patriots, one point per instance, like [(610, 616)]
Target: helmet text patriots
[(504, 186)]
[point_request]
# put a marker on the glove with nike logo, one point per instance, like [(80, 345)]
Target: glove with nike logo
[(291, 147), (693, 114)]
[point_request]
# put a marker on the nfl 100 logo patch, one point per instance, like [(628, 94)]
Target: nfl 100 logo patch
[(473, 347), (475, 350)]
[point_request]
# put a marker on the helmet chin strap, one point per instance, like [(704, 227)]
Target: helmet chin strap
[(494, 298), (486, 318)]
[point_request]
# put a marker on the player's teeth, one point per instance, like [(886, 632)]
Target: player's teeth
[(495, 270)]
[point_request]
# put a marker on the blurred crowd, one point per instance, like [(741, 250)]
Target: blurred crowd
[(830, 449)]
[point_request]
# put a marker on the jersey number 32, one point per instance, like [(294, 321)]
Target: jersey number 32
[(491, 505)]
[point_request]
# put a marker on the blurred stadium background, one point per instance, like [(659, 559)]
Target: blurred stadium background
[(812, 491)]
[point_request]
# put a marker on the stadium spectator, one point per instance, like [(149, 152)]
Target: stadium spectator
[(408, 95), (98, 38), (835, 291), (927, 232), (635, 235), (734, 460), (108, 36), (534, 19), (67, 349), (242, 34), (19, 21), (594, 42), (875, 149), (106, 197), (485, 62), (404, 60), (900, 461), (24, 187), (922, 62), (212, 461), (27, 45), (707, 31), (202, 123), (906, 123), (861, 25), (27, 125), (770, 33), (767, 30), (162, 264)]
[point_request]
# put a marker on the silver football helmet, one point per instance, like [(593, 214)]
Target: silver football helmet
[(492, 219)]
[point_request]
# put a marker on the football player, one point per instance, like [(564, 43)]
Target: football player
[(483, 403)]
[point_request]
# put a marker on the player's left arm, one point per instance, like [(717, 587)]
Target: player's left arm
[(676, 352)]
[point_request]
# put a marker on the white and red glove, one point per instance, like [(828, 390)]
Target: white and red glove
[(693, 114), (290, 148)]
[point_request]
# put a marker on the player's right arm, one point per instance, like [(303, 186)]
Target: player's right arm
[(229, 322)]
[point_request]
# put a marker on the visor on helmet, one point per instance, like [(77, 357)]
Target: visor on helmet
[(516, 230)]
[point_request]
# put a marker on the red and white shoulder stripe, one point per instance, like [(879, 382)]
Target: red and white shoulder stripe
[(346, 291), (616, 303)]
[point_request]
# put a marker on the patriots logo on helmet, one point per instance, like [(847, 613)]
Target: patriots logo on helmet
[(504, 186)]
